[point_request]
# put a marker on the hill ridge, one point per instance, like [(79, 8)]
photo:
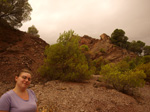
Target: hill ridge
[(104, 48)]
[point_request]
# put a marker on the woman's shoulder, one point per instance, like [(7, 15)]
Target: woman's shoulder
[(8, 93), (6, 96)]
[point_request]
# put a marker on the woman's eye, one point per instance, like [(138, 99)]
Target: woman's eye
[(25, 77)]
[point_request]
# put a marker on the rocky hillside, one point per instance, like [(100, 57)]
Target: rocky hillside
[(104, 48), (19, 50)]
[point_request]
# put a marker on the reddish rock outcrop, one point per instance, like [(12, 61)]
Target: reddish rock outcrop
[(104, 48)]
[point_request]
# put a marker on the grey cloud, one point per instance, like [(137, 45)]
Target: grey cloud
[(91, 17)]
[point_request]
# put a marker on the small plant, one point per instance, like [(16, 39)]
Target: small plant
[(84, 48)]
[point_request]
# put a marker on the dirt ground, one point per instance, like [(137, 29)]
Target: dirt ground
[(89, 96)]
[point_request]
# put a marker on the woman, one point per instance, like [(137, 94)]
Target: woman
[(19, 99)]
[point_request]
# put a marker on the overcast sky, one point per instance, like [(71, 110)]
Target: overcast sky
[(90, 17)]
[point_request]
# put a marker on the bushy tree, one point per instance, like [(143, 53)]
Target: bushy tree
[(14, 12), (33, 31), (136, 46), (122, 79), (118, 38), (65, 60), (146, 50)]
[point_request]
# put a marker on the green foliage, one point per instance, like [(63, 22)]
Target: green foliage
[(33, 31), (98, 63), (118, 38), (15, 12), (136, 47), (122, 79), (146, 59), (123, 66), (146, 69), (65, 60), (139, 60), (84, 48), (133, 62), (146, 50)]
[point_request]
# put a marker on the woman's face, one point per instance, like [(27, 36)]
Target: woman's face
[(23, 80)]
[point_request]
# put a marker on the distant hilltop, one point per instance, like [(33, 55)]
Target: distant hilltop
[(104, 48)]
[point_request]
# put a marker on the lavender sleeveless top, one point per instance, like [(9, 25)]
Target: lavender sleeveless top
[(11, 102)]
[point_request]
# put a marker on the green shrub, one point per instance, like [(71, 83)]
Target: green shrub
[(146, 59), (98, 63), (84, 48), (133, 62), (65, 60), (146, 69), (123, 66), (122, 80)]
